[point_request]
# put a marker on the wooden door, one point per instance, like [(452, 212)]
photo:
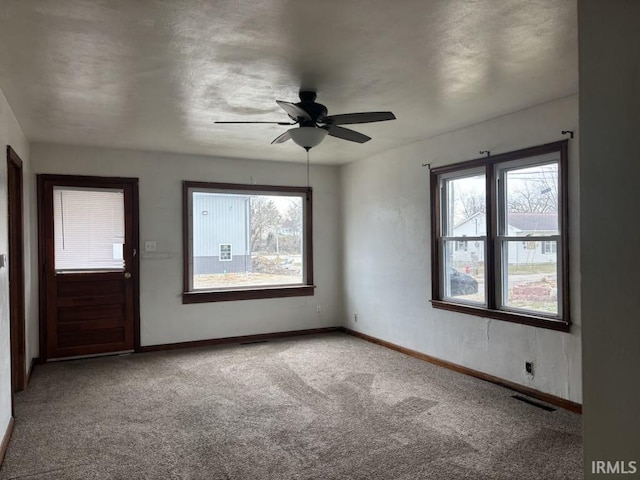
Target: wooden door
[(16, 270), (88, 244)]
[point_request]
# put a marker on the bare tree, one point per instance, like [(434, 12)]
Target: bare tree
[(472, 201), (290, 241), (265, 218), (534, 193), (293, 219)]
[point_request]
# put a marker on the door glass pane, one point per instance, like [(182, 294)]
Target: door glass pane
[(465, 206), (464, 272), (88, 228), (532, 201), (530, 276)]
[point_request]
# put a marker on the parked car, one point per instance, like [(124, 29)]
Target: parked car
[(461, 283)]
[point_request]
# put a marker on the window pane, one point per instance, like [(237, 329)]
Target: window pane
[(530, 276), (225, 252), (526, 279), (532, 200), (465, 206), (464, 273), (88, 228), (243, 240)]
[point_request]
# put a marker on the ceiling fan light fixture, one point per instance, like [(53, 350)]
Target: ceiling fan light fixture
[(308, 137)]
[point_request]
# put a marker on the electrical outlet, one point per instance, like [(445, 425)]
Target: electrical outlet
[(318, 308), (528, 367), (355, 318)]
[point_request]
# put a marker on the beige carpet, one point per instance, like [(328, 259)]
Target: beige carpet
[(320, 407)]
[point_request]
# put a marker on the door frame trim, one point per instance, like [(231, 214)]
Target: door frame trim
[(17, 301), (79, 180)]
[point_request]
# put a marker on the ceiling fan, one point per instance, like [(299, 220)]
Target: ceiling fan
[(315, 124)]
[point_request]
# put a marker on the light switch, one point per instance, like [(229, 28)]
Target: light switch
[(150, 246), (3, 260)]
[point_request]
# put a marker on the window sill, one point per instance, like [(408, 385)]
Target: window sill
[(249, 294), (532, 320)]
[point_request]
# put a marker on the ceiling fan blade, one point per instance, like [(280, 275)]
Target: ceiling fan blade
[(282, 138), (293, 110), (365, 117), (346, 134), (274, 123)]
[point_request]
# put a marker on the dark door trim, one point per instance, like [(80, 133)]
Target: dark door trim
[(80, 180), (16, 270)]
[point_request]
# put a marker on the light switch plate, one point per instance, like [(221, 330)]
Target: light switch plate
[(150, 246), (3, 260)]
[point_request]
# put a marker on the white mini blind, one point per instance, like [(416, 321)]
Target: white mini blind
[(88, 228)]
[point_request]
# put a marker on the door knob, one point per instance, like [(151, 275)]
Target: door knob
[(127, 275)]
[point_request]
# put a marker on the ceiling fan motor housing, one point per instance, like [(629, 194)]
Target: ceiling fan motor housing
[(315, 110)]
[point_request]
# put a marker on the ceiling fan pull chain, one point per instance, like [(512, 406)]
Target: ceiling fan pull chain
[(308, 183)]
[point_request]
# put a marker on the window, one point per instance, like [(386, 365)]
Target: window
[(549, 248), (88, 226), (225, 252), (499, 237), (246, 241)]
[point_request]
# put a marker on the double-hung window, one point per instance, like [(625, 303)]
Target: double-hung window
[(510, 211), (246, 241)]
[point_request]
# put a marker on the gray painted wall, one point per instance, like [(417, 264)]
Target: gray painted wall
[(164, 319), (213, 264), (387, 268), (610, 200)]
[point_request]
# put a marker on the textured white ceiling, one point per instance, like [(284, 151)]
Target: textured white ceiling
[(156, 74)]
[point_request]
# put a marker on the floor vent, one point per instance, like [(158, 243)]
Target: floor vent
[(253, 343), (534, 403)]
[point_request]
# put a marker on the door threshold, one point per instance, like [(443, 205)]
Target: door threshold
[(92, 355)]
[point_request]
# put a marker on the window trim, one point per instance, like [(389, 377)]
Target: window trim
[(488, 165), (255, 292)]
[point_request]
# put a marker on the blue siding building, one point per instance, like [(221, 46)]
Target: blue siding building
[(221, 233)]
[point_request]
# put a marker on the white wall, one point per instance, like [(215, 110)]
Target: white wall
[(386, 218), (11, 134), (610, 197), (164, 319)]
